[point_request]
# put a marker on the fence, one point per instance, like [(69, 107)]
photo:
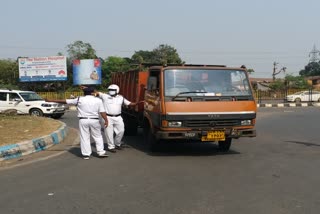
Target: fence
[(260, 96), (279, 95), (59, 95)]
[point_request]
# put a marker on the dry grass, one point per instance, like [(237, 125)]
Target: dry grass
[(14, 129)]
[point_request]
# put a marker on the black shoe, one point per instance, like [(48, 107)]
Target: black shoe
[(86, 157), (119, 147), (112, 150)]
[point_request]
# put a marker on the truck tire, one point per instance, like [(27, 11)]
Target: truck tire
[(224, 146), (36, 112), (150, 140)]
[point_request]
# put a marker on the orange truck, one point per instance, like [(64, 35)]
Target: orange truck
[(198, 103)]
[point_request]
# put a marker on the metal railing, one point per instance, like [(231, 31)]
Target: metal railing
[(278, 96), (59, 96), (261, 96)]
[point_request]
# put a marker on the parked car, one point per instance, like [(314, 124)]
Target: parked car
[(303, 96), (29, 102)]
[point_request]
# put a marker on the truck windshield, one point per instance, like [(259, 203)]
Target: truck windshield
[(30, 96), (206, 82)]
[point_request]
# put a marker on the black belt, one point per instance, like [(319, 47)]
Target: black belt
[(114, 115), (88, 118)]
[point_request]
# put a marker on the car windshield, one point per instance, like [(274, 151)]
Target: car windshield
[(206, 82), (30, 96)]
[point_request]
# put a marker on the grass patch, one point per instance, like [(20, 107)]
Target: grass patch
[(14, 129)]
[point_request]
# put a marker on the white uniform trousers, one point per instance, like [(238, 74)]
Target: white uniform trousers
[(114, 131), (90, 128)]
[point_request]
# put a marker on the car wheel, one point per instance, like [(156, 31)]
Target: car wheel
[(297, 100), (224, 146), (36, 112)]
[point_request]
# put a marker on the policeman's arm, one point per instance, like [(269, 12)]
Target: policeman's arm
[(97, 93), (136, 103), (82, 87), (104, 116)]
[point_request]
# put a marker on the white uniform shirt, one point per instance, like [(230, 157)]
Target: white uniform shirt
[(113, 104), (88, 106)]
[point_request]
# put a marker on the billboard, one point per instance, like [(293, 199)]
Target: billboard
[(37, 69), (87, 72)]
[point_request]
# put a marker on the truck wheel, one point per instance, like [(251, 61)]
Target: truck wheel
[(151, 141), (225, 145), (36, 112)]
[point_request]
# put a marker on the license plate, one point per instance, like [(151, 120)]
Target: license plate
[(214, 135), (60, 109)]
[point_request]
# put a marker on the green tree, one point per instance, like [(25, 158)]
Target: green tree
[(163, 54), (9, 73), (81, 50), (312, 69), (290, 81), (142, 57), (114, 64), (278, 84), (296, 82)]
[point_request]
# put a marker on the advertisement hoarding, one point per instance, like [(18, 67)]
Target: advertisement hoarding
[(87, 72), (38, 69)]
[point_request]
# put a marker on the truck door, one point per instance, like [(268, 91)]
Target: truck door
[(152, 98)]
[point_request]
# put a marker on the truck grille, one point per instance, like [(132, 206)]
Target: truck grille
[(211, 123)]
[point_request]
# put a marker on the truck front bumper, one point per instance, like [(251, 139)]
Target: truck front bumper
[(196, 135)]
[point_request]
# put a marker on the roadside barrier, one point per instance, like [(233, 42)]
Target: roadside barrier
[(17, 150)]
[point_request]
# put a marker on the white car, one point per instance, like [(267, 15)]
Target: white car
[(29, 102), (303, 96)]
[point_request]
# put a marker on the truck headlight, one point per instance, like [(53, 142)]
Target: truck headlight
[(246, 122), (174, 124)]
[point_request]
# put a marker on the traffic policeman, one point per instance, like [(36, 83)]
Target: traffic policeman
[(89, 108), (113, 102)]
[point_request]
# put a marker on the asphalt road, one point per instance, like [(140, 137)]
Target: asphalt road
[(276, 172)]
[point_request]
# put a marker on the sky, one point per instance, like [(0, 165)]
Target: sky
[(255, 33)]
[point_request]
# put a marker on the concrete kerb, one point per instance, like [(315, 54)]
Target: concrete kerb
[(288, 105), (35, 145)]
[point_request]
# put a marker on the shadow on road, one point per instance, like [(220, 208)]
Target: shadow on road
[(173, 148), (75, 151)]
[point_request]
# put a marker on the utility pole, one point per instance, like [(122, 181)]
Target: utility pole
[(313, 54), (275, 72)]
